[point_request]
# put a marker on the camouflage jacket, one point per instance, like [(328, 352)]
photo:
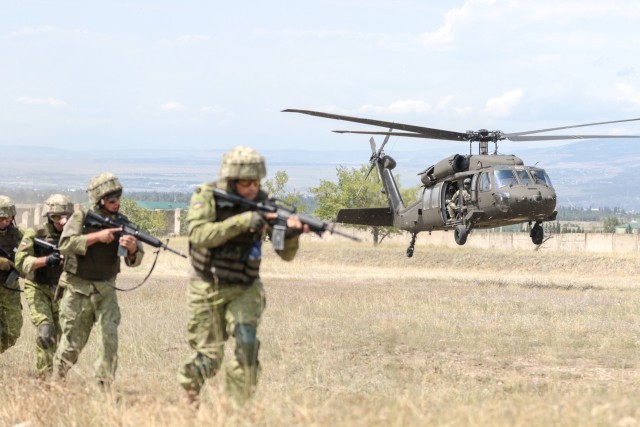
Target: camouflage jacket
[(28, 253), (206, 231), (73, 243)]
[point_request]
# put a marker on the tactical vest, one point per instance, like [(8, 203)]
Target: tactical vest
[(101, 261), (47, 275), (238, 259), (9, 241)]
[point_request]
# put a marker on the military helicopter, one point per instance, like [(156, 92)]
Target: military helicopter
[(500, 189)]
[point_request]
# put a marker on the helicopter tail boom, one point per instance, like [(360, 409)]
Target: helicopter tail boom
[(379, 217)]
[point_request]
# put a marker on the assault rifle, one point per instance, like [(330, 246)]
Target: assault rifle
[(13, 273), (97, 220), (284, 212), (46, 245)]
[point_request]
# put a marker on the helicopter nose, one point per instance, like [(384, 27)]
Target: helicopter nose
[(534, 203)]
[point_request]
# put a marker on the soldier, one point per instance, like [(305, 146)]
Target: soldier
[(89, 278), (42, 268), (226, 297), (10, 305), (452, 204)]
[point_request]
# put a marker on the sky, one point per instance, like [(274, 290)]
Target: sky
[(158, 74)]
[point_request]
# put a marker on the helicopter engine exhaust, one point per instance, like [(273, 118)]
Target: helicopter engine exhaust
[(449, 166)]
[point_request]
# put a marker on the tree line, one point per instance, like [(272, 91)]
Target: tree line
[(354, 187)]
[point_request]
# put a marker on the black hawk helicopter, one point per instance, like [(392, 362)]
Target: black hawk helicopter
[(462, 192)]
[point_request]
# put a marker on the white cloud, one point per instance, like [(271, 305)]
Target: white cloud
[(54, 102), (504, 104), (453, 19), (25, 31), (402, 106), (628, 93), (44, 29), (171, 106)]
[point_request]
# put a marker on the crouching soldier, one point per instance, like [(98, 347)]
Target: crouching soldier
[(41, 263)]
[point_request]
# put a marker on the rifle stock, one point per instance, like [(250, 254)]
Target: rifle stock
[(283, 213)]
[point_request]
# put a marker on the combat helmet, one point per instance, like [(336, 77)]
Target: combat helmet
[(101, 185), (242, 162), (58, 204), (7, 207)]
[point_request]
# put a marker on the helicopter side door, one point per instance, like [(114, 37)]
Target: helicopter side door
[(485, 199), (433, 207)]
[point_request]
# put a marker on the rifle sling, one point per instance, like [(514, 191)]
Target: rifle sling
[(157, 253)]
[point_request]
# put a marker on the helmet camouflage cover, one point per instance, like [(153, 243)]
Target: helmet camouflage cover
[(101, 185), (58, 204), (242, 163), (7, 207)]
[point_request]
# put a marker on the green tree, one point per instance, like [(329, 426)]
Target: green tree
[(277, 187), (355, 188), (609, 224), (152, 222)]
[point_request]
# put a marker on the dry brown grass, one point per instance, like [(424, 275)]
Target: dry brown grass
[(359, 336)]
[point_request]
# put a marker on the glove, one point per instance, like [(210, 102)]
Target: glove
[(257, 222), (53, 259), (5, 264)]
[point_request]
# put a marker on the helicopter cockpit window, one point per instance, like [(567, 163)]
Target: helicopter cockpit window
[(485, 183), (541, 177), (504, 178), (524, 177)]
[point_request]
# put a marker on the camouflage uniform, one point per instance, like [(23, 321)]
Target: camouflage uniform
[(10, 305), (226, 297), (452, 204), (41, 281), (89, 281)]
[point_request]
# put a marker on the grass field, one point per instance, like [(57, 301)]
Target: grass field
[(358, 336)]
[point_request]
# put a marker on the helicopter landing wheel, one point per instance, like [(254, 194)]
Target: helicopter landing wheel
[(412, 245), (460, 234), (537, 234)]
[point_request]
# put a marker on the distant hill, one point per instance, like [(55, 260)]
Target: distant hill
[(585, 173)]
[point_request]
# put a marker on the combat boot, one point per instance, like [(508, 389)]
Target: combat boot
[(192, 398)]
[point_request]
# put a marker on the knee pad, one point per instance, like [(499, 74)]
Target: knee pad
[(46, 335), (247, 344), (207, 366)]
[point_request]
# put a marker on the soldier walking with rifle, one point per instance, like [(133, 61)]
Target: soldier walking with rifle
[(226, 297), (89, 280), (40, 261), (10, 305)]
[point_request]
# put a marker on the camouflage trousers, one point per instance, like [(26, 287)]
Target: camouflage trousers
[(43, 310), (214, 313), (78, 314), (10, 315)]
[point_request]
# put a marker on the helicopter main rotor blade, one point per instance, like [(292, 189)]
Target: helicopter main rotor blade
[(509, 135), (559, 137), (427, 132), (404, 134)]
